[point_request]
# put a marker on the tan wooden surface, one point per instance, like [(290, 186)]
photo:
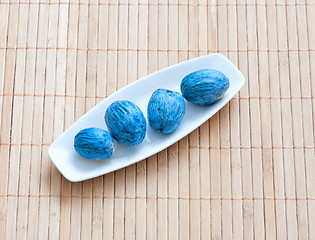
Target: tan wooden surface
[(248, 172)]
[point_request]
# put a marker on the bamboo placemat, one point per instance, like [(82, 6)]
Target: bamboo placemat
[(248, 172)]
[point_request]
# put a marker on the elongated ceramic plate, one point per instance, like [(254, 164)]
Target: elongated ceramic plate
[(76, 168)]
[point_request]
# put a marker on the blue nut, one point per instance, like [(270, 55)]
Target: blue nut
[(166, 110), (204, 87), (94, 143), (126, 122)]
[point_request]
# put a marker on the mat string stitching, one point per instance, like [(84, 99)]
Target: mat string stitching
[(269, 97), (154, 50), (101, 97), (161, 4), (47, 95), (159, 197)]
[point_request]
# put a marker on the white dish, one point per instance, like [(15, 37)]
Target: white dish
[(76, 168)]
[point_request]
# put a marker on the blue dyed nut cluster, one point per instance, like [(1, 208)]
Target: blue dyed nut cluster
[(166, 110), (204, 87), (126, 122), (94, 143)]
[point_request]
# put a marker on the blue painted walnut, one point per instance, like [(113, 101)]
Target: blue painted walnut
[(204, 87), (126, 122), (166, 110), (94, 143)]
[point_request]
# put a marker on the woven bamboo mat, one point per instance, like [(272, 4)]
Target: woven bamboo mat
[(248, 172)]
